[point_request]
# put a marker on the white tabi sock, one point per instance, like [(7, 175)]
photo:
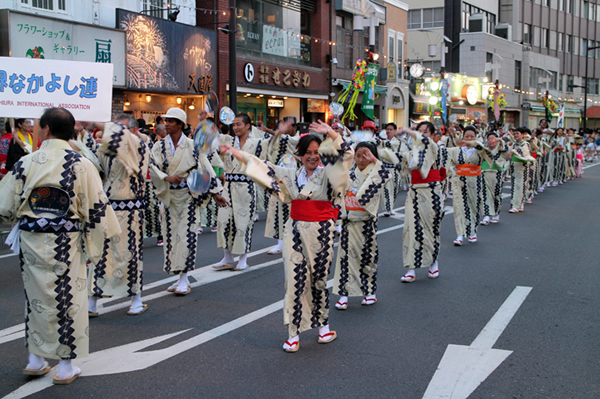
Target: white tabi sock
[(242, 262), (280, 244), (136, 303), (434, 267), (291, 340), (35, 362), (410, 273), (92, 304), (343, 300), (324, 330), (66, 369), (227, 258), (182, 284)]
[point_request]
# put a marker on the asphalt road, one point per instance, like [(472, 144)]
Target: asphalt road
[(228, 331)]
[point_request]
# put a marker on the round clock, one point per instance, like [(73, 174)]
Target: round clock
[(417, 70)]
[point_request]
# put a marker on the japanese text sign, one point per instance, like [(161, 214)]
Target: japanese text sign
[(28, 86), (36, 37)]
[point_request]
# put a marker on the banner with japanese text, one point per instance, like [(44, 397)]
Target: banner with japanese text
[(369, 94), (29, 86)]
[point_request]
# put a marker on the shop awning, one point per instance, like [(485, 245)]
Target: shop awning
[(593, 112), (572, 111), (379, 89)]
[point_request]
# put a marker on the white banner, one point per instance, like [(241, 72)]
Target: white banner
[(29, 86), (561, 116)]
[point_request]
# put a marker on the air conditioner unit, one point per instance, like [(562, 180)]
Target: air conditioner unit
[(504, 31), (476, 23)]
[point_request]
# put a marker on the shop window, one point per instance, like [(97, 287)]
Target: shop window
[(47, 4), (426, 18), (344, 49), (593, 86), (517, 75), (270, 31), (526, 34), (570, 83)]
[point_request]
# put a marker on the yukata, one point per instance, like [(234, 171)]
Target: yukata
[(518, 175), (180, 217), (560, 159), (493, 179), (280, 154), (356, 267), (124, 159), (423, 209), (467, 184), (307, 245), (56, 198), (152, 212), (235, 224), (208, 215), (388, 150)]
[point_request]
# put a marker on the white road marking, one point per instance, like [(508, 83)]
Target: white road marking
[(103, 362), (463, 368)]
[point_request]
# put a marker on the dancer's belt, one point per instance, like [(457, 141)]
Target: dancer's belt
[(534, 155), (179, 186), (237, 178), (433, 176), (559, 149), (466, 169), (313, 211), (486, 166), (127, 205), (45, 225), (389, 165)]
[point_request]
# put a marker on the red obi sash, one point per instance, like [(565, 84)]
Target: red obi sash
[(466, 169), (534, 155), (434, 175), (313, 211)]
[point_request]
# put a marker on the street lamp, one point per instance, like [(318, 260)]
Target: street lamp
[(443, 47)]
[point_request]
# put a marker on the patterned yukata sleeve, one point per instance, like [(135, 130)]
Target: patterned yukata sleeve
[(337, 156), (87, 153), (118, 142), (157, 175), (272, 178), (97, 216), (369, 194)]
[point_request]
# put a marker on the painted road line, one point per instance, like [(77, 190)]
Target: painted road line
[(203, 275), (463, 368)]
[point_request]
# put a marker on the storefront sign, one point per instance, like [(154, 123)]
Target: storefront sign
[(391, 72), (168, 57), (248, 72), (44, 38), (283, 77), (316, 105), (28, 86), (275, 103), (274, 41), (470, 93)]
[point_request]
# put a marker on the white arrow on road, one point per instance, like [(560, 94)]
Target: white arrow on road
[(463, 368)]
